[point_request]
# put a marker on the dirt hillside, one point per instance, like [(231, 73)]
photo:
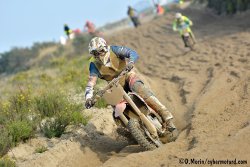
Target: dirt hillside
[(207, 90)]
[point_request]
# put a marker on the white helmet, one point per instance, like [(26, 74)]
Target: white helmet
[(178, 15), (97, 44)]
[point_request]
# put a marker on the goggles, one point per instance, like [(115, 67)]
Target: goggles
[(98, 53)]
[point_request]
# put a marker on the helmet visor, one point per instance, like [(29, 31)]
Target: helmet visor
[(97, 53)]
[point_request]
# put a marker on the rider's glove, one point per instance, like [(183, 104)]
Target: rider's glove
[(129, 66), (89, 103)]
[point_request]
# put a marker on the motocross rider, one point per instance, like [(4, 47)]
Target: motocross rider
[(132, 13), (178, 23), (90, 27), (108, 62), (67, 30)]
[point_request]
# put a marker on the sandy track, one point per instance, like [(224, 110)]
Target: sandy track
[(207, 90)]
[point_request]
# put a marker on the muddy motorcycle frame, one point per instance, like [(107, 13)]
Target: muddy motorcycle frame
[(145, 125), (187, 33)]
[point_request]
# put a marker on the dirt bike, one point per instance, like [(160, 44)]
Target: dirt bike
[(187, 36), (132, 112)]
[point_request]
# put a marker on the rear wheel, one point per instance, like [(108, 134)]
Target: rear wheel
[(139, 135)]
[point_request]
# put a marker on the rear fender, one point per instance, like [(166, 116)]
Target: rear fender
[(143, 106), (140, 103)]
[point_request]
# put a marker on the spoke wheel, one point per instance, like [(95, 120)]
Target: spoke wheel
[(139, 135)]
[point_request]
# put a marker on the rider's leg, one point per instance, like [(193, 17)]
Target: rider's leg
[(144, 92), (134, 21), (184, 40), (166, 115)]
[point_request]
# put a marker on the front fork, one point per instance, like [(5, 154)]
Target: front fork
[(190, 34), (151, 128), (123, 119)]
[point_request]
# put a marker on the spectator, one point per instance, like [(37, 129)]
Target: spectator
[(67, 30)]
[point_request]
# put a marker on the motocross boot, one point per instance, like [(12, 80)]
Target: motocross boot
[(166, 116)]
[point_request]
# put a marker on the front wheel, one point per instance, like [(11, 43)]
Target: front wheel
[(139, 135), (190, 42)]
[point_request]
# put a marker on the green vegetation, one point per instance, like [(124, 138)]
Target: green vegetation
[(227, 6), (7, 162), (16, 120), (5, 141), (20, 130), (55, 127), (41, 149), (40, 98), (23, 112), (61, 113)]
